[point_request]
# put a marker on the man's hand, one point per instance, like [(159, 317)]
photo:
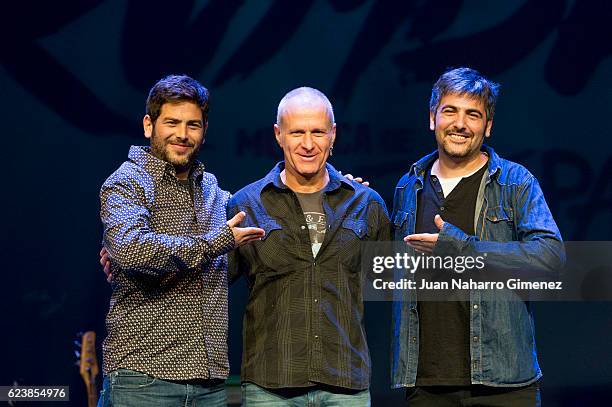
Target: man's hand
[(358, 179), (243, 236), (425, 242), (105, 263)]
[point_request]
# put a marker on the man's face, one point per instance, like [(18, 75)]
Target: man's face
[(460, 125), (177, 134), (306, 135)]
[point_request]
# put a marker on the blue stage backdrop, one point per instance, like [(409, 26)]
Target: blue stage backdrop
[(74, 77)]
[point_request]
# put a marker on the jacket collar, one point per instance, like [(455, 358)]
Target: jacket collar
[(417, 169)]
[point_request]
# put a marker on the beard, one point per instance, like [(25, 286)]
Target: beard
[(453, 152), (459, 152), (160, 149)]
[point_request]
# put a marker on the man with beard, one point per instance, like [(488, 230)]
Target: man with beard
[(464, 200), (166, 234), (304, 338)]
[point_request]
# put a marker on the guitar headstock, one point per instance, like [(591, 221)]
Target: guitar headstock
[(88, 362)]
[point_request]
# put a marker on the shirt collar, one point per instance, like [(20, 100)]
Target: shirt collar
[(336, 180)]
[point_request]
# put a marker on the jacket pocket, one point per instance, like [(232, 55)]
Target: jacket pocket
[(400, 219), (403, 224), (499, 224), (499, 214)]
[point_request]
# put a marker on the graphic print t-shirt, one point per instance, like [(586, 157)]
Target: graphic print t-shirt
[(312, 206)]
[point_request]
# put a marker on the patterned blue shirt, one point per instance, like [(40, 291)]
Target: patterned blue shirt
[(168, 309)]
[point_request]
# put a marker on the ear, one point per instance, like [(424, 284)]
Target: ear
[(204, 128), (277, 134), (332, 135), (147, 125), (432, 121), (488, 128)]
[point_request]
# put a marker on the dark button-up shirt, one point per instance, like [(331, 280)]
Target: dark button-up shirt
[(168, 310), (304, 318)]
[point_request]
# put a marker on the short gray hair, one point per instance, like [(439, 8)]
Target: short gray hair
[(307, 96)]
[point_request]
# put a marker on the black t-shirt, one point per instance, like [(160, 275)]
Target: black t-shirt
[(312, 206), (444, 326)]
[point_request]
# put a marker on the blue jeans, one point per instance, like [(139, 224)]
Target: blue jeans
[(127, 388), (253, 395)]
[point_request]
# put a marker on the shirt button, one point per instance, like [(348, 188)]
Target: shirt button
[(316, 336), (414, 339), (475, 306), (475, 339), (316, 300), (303, 227), (441, 208)]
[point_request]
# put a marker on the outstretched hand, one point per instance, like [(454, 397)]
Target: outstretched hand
[(425, 242), (243, 236)]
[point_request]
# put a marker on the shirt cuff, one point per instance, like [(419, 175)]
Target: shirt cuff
[(451, 241), (219, 242)]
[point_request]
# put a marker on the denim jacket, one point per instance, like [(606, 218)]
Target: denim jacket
[(516, 230)]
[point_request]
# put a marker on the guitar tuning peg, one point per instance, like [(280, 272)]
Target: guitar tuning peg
[(80, 334), (77, 363), (77, 354), (77, 343)]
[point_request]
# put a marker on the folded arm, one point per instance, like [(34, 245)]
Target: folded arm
[(538, 248), (135, 248)]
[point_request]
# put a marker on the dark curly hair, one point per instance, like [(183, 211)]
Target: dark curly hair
[(174, 89)]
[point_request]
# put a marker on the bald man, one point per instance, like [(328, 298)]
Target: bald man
[(304, 338)]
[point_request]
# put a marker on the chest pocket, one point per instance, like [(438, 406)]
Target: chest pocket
[(399, 219), (269, 226), (402, 224), (499, 224), (269, 254), (352, 233), (358, 227)]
